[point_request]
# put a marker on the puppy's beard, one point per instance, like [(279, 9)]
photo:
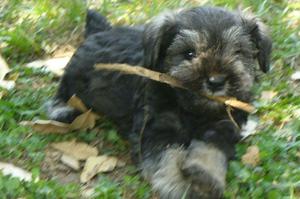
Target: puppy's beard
[(209, 105)]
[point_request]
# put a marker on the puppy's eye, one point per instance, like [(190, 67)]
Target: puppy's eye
[(190, 54)]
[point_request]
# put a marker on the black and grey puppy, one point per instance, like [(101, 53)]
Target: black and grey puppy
[(184, 141)]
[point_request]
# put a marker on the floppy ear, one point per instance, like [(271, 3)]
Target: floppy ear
[(95, 23), (158, 35), (261, 40)]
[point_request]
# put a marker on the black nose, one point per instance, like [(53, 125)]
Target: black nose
[(216, 82)]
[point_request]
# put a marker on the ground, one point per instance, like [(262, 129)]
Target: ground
[(35, 29)]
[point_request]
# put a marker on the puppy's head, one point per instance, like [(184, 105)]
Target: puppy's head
[(210, 50)]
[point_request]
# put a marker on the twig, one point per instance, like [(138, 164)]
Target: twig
[(140, 71), (164, 78)]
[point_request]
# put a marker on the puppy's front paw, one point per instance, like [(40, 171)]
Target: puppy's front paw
[(205, 166), (60, 111)]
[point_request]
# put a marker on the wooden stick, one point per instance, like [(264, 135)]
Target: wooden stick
[(164, 78), (140, 71)]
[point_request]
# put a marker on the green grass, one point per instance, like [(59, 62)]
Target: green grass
[(31, 29)]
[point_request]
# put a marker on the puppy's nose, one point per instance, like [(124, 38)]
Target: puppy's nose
[(216, 82)]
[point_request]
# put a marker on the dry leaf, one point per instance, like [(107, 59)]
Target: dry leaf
[(64, 51), (87, 193), (268, 95), (54, 65), (249, 128), (4, 69), (86, 120), (251, 157), (95, 165), (296, 113), (296, 76), (70, 162), (12, 76), (48, 126), (108, 165), (121, 163), (3, 93), (78, 150), (91, 168), (10, 169), (6, 84), (76, 103)]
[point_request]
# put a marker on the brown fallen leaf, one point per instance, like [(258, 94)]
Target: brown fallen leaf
[(296, 76), (54, 65), (249, 128), (3, 93), (120, 164), (251, 157), (298, 154), (296, 113), (47, 126), (10, 169), (70, 162), (4, 69), (76, 103), (108, 165), (90, 169), (268, 95), (12, 76), (167, 79), (63, 51), (7, 84), (86, 120), (87, 193), (95, 165), (78, 150)]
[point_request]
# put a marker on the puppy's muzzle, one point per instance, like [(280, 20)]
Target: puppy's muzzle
[(216, 82)]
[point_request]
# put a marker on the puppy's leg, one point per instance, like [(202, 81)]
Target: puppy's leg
[(162, 154), (164, 173), (205, 166), (176, 171), (196, 172), (206, 162)]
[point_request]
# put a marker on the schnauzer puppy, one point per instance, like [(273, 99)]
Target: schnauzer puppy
[(181, 141)]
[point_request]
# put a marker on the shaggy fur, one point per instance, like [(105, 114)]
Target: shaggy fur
[(182, 142)]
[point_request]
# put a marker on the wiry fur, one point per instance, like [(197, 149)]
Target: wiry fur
[(165, 175), (173, 174), (183, 141)]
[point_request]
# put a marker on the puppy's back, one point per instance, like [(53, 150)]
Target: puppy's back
[(109, 93)]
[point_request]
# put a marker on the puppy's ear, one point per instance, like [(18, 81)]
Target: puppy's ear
[(158, 35), (261, 40), (95, 23)]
